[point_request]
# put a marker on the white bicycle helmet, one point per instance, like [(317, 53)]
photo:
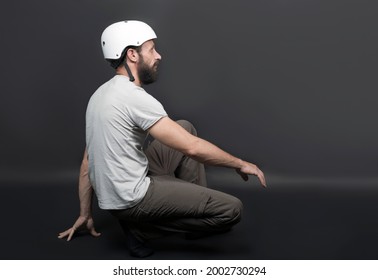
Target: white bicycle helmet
[(117, 36)]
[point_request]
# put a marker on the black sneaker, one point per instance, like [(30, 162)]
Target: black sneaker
[(137, 248)]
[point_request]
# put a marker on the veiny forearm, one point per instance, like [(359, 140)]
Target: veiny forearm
[(209, 154), (173, 135), (85, 189)]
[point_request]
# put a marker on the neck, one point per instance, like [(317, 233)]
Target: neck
[(121, 70)]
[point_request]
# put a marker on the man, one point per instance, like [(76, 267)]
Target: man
[(162, 189)]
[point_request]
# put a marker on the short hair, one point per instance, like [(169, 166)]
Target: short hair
[(115, 63)]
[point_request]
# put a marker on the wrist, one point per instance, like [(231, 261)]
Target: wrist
[(240, 163), (86, 213)]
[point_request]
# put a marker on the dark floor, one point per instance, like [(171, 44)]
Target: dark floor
[(309, 221)]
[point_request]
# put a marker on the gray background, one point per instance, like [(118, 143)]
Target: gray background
[(290, 85)]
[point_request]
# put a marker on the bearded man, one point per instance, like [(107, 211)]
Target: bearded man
[(159, 190)]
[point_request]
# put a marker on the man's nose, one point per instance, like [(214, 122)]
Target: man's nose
[(157, 56)]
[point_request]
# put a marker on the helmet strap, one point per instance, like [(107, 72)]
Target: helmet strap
[(131, 77)]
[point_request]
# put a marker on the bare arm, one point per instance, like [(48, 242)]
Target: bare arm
[(173, 135), (85, 188), (85, 220)]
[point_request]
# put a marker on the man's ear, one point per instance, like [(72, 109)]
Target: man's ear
[(132, 55)]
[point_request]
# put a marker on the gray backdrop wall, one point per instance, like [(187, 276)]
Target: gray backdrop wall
[(290, 85)]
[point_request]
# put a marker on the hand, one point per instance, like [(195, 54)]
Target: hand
[(80, 224), (251, 169)]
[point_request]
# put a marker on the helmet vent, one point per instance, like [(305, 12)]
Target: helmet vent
[(103, 43)]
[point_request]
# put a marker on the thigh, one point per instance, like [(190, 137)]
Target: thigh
[(169, 197)]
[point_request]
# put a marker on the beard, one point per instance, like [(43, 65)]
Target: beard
[(147, 74)]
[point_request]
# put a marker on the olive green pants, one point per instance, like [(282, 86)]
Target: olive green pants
[(177, 199)]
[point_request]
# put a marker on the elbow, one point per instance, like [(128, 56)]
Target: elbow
[(190, 153)]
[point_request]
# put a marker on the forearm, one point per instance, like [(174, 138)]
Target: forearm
[(173, 135), (209, 154), (85, 189)]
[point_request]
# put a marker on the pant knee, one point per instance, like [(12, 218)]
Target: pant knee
[(236, 209), (231, 213), (188, 126)]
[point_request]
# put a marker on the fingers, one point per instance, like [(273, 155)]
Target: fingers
[(71, 234), (79, 224), (252, 170), (68, 232), (94, 233), (261, 177), (62, 235), (71, 231)]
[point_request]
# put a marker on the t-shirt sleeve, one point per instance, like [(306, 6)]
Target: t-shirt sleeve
[(146, 110)]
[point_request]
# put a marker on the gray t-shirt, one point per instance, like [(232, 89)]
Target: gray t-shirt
[(118, 116)]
